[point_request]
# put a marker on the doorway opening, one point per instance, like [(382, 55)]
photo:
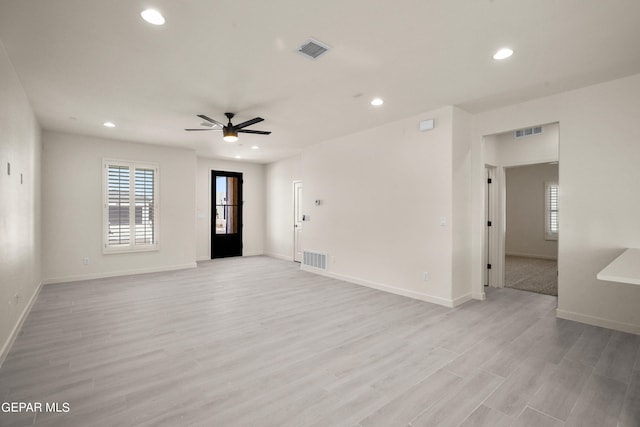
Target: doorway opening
[(531, 234), (226, 214), (520, 203), (297, 221)]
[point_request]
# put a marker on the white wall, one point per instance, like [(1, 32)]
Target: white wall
[(73, 208), (20, 207), (383, 194), (462, 208), (525, 235), (253, 208), (504, 150), (279, 210), (599, 179)]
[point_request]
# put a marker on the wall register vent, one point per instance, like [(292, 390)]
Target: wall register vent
[(313, 49), (521, 133), (314, 259)]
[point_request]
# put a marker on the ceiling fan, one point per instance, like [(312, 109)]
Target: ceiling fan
[(230, 131)]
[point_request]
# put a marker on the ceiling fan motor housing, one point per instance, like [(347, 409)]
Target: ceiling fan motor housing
[(229, 131)]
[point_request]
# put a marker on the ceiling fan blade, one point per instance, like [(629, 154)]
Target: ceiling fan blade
[(248, 123), (209, 119), (197, 130), (259, 132)]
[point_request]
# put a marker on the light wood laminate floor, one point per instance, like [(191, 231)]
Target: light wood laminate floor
[(256, 342)]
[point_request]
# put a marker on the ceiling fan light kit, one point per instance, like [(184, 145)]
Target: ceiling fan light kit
[(230, 131), (230, 135)]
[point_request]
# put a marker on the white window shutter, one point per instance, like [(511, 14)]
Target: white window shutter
[(130, 206)]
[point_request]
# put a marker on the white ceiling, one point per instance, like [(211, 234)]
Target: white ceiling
[(84, 62)]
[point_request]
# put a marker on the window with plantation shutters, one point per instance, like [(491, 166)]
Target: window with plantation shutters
[(144, 197), (551, 210), (130, 206), (118, 204)]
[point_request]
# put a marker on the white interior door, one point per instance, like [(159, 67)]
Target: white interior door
[(490, 227), (297, 221)]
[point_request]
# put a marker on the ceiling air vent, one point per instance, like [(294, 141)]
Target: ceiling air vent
[(520, 133), (313, 49)]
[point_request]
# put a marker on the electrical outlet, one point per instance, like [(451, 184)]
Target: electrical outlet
[(85, 261), (425, 275)]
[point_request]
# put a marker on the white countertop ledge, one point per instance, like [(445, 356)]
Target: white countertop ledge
[(624, 269)]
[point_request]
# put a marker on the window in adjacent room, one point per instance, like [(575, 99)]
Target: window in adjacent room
[(130, 206), (551, 210)]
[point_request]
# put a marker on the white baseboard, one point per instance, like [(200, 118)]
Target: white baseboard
[(382, 287), (532, 255), (279, 256), (461, 300), (6, 347), (77, 278), (597, 321), (254, 253), (481, 296)]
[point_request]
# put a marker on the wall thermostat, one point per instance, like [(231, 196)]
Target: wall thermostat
[(426, 125)]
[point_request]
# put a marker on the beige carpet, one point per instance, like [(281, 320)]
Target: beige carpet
[(532, 274)]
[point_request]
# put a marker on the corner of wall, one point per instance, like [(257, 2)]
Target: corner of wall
[(21, 207), (461, 206)]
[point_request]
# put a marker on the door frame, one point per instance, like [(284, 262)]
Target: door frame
[(498, 237), (297, 221), (492, 235), (498, 242), (240, 204)]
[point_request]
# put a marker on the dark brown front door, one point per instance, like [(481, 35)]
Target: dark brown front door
[(226, 214)]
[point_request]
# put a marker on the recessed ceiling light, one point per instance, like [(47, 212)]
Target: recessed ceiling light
[(152, 16), (255, 147), (109, 125), (376, 102), (237, 157), (503, 53)]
